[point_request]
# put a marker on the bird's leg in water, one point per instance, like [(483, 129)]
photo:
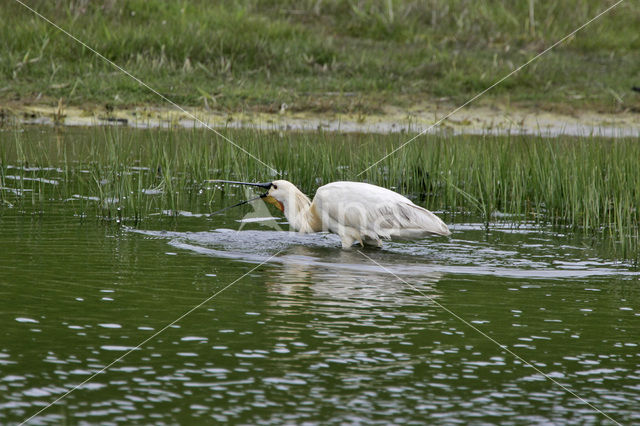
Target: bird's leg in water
[(373, 243), (347, 241)]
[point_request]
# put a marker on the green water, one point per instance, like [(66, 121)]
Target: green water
[(315, 333)]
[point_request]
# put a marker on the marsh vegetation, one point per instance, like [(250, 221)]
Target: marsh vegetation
[(585, 185), (320, 56)]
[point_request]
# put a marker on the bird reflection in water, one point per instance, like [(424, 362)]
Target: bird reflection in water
[(347, 278)]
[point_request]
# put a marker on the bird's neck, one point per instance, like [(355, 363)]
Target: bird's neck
[(300, 213)]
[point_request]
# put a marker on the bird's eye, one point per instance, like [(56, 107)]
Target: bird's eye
[(275, 186)]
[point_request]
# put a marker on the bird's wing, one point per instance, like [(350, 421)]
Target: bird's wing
[(406, 220), (374, 211)]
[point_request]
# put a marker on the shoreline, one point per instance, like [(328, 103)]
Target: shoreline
[(482, 119)]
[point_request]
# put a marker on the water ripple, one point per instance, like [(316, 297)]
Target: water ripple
[(462, 254)]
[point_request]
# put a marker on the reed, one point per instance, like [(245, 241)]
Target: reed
[(589, 185)]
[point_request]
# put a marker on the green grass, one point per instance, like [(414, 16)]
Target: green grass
[(586, 185), (320, 56)]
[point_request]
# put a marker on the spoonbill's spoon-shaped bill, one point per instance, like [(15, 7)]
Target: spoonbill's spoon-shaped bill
[(261, 185)]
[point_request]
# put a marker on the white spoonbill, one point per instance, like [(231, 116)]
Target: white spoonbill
[(356, 211)]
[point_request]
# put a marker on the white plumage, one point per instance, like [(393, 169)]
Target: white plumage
[(356, 211)]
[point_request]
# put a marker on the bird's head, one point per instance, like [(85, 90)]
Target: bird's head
[(281, 193)]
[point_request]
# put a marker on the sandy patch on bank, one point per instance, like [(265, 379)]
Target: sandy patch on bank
[(471, 120)]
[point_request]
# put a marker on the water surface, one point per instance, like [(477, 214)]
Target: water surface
[(314, 334), (107, 243)]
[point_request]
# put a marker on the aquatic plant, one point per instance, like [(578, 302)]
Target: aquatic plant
[(584, 184)]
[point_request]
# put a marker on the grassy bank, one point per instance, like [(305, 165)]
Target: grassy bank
[(588, 185), (320, 56)]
